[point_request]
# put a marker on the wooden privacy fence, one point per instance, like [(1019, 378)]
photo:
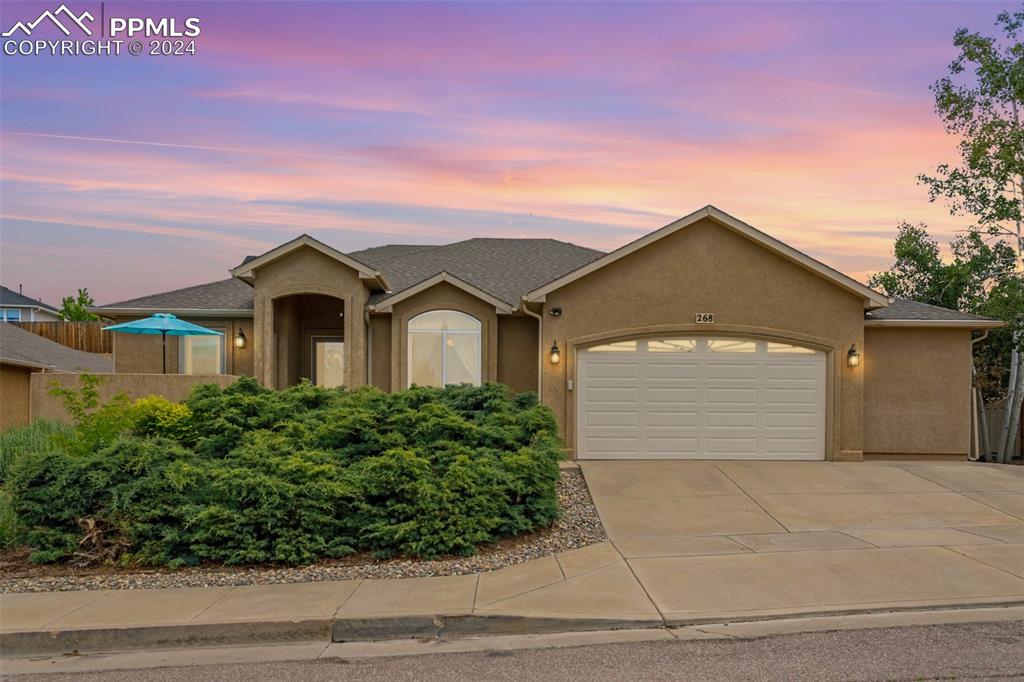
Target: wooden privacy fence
[(87, 336)]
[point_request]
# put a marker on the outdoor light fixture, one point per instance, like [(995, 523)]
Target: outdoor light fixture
[(556, 312), (852, 356), (556, 355), (240, 339)]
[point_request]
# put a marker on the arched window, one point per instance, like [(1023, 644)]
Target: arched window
[(444, 348)]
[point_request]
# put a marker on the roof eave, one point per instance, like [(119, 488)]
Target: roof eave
[(181, 312), (968, 324)]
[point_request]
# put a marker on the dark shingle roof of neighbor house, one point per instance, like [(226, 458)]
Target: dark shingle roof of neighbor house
[(225, 294), (9, 297), (21, 347), (904, 309)]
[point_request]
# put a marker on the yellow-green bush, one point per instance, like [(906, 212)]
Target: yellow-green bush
[(155, 415)]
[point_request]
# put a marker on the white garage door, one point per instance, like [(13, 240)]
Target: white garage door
[(701, 398)]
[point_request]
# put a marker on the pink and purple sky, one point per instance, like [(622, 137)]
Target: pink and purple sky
[(371, 123)]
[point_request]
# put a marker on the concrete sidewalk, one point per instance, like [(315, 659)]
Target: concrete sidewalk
[(690, 543)]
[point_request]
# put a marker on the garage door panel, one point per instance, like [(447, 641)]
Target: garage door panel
[(732, 419), (613, 418), (599, 394), (688, 419), (806, 371), (702, 403), (745, 372), (731, 396)]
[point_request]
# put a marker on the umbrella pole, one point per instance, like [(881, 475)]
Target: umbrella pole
[(163, 337)]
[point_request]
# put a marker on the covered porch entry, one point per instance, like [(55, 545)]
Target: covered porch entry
[(309, 340)]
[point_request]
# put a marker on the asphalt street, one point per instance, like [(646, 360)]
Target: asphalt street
[(986, 651)]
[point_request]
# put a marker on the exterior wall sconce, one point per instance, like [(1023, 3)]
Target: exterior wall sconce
[(556, 312), (853, 356), (240, 339), (556, 355)]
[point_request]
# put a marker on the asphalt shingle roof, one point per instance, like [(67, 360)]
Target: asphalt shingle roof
[(903, 309), (13, 298), (21, 347), (504, 268), (225, 294)]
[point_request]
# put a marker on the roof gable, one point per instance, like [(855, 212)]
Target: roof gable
[(872, 298), (246, 269), (385, 305)]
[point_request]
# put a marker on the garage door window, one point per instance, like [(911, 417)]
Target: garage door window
[(672, 345), (617, 347), (787, 348), (732, 346), (444, 348)]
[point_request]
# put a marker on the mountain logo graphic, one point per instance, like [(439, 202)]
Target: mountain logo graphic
[(62, 11)]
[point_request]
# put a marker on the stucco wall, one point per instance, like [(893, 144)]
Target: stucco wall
[(917, 384), (140, 354), (380, 356), (308, 271), (517, 352), (708, 268), (14, 396), (174, 387), (443, 296)]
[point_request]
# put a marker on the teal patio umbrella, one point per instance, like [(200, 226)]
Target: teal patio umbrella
[(165, 325)]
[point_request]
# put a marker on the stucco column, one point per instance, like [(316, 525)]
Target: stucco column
[(263, 340), (851, 417)]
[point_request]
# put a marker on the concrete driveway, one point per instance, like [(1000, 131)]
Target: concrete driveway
[(753, 538)]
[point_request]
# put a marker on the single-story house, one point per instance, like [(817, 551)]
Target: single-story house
[(17, 307), (21, 354), (704, 339)]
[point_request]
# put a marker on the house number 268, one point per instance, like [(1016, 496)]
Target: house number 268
[(705, 318)]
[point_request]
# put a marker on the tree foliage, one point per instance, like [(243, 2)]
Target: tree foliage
[(76, 308), (978, 277)]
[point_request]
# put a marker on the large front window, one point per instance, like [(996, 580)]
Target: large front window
[(202, 354), (444, 348)]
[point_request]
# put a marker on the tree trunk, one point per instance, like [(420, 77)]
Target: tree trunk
[(1013, 405), (1012, 392)]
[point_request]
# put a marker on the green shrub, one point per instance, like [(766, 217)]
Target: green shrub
[(155, 415), (96, 424), (12, 532), (247, 475)]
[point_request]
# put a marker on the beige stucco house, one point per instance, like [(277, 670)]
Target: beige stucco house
[(704, 339)]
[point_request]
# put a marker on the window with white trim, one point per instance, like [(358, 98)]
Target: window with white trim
[(444, 348), (10, 315)]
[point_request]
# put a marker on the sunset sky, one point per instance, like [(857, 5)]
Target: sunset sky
[(371, 123)]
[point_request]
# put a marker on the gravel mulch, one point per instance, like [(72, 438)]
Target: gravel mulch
[(578, 527)]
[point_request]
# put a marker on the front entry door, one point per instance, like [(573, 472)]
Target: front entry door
[(328, 361)]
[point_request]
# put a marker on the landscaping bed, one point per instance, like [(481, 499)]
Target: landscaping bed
[(248, 485), (578, 526)]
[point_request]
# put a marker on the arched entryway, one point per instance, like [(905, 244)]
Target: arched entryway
[(309, 340)]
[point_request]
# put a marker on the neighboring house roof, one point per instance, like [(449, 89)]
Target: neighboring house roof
[(905, 313), (231, 297), (872, 298), (25, 349), (12, 299), (245, 270)]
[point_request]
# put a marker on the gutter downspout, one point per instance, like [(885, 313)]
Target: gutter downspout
[(540, 345), (979, 418)]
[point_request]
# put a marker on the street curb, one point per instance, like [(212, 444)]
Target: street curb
[(95, 640), (34, 642), (461, 625)]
